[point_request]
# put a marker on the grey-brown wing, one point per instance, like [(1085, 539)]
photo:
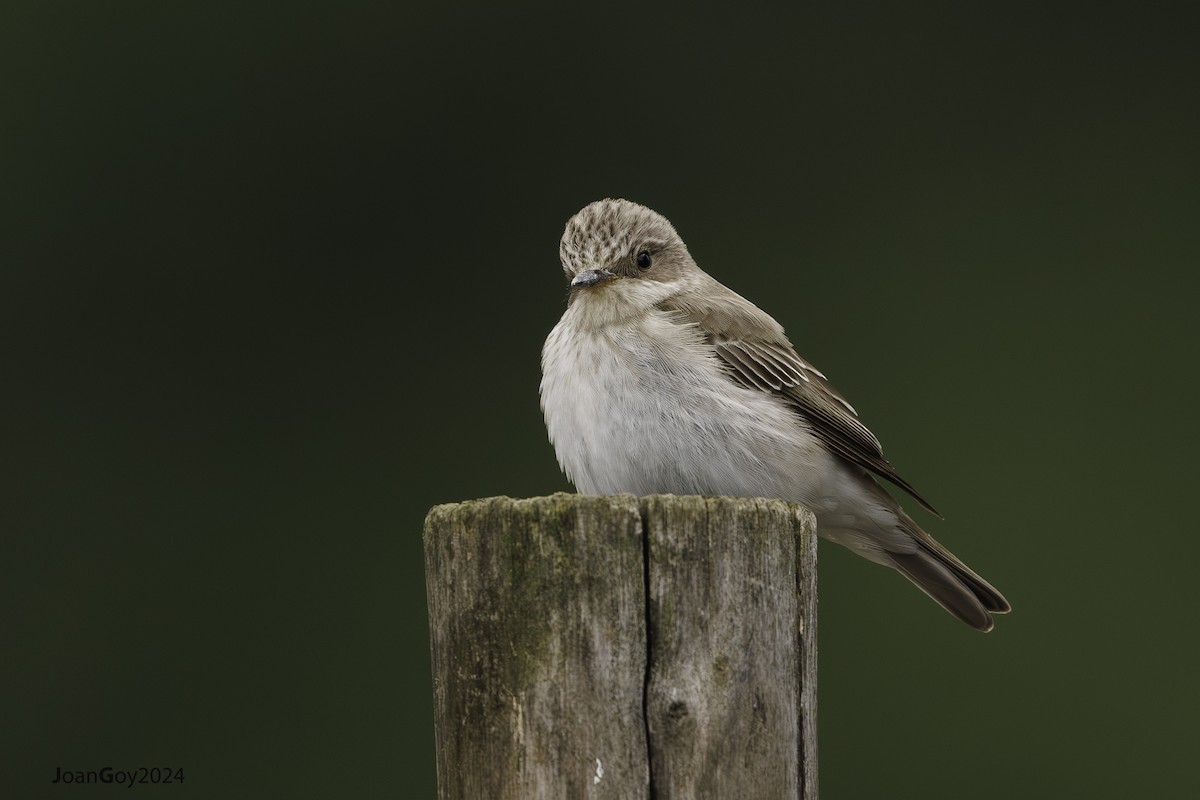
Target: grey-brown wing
[(759, 356), (776, 368)]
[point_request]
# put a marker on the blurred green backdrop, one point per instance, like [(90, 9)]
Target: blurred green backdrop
[(276, 278)]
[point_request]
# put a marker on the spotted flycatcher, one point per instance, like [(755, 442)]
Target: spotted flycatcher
[(658, 379)]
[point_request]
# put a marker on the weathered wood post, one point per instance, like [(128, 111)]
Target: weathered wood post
[(620, 647)]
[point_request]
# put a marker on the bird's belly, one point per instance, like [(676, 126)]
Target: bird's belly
[(655, 420)]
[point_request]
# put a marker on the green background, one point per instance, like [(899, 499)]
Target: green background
[(276, 279)]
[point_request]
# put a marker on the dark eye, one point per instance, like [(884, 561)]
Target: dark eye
[(643, 259)]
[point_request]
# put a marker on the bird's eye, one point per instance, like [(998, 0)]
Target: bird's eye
[(643, 259)]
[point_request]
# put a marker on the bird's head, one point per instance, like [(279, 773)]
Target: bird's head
[(625, 256)]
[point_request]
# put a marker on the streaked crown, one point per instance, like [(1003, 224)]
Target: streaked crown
[(608, 230)]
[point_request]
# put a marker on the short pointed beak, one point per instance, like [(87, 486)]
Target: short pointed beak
[(590, 277)]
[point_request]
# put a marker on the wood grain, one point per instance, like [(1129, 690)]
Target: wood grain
[(617, 647)]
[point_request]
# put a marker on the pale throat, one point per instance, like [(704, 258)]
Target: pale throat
[(619, 302)]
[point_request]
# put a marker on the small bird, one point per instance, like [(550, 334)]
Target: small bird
[(659, 379)]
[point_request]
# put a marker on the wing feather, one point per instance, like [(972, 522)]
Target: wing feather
[(759, 356)]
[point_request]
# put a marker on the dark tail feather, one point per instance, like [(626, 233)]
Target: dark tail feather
[(951, 584), (938, 572)]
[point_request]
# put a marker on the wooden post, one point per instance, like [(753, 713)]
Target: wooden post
[(619, 647)]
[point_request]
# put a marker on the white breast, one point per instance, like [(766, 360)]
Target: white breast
[(646, 408)]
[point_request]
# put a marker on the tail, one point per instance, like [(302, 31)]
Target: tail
[(889, 536), (951, 583)]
